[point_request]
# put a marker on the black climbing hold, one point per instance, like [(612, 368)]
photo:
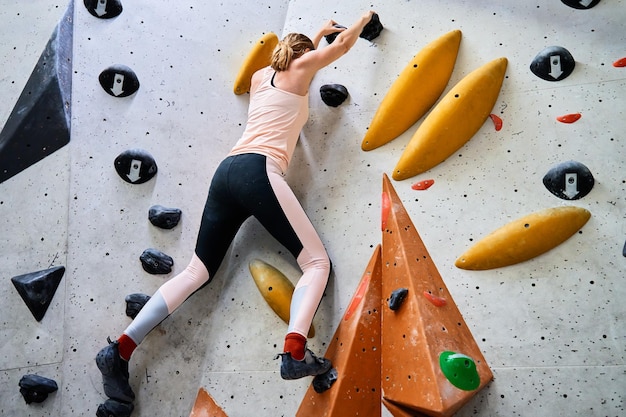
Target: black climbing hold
[(581, 4), (397, 298), (569, 180), (113, 408), (624, 250), (35, 388), (330, 38), (164, 217), (38, 288), (554, 63), (333, 94), (119, 81), (324, 381), (39, 124), (104, 9), (156, 262), (134, 303), (135, 166), (372, 29)]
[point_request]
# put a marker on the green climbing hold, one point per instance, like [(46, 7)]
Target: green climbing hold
[(460, 370)]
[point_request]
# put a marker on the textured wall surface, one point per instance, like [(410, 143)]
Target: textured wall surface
[(552, 329)]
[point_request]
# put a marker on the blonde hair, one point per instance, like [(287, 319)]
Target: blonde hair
[(291, 47)]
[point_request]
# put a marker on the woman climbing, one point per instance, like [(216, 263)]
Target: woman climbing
[(250, 181)]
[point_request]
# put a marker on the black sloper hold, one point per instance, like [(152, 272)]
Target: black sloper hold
[(397, 298), (372, 29), (113, 408), (35, 388), (569, 180), (333, 94), (37, 289), (579, 4), (330, 38), (554, 63), (104, 9), (156, 262), (119, 81), (164, 217), (324, 381), (134, 303), (135, 166), (624, 250)]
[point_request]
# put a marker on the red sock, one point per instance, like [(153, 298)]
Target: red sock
[(295, 344), (126, 347)]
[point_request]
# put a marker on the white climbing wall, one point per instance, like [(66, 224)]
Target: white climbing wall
[(552, 329)]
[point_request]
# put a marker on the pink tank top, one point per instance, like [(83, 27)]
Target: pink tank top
[(275, 119)]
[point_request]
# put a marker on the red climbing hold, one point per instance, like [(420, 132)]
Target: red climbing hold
[(437, 301), (386, 207), (497, 122), (358, 296), (423, 185), (569, 118), (620, 63)]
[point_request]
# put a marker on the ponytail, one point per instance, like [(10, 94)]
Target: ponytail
[(289, 48)]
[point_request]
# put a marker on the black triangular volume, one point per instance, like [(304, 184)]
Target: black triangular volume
[(37, 289), (40, 121)]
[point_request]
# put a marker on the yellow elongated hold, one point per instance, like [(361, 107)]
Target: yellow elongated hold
[(275, 288), (524, 239), (453, 121), (415, 91), (258, 57)]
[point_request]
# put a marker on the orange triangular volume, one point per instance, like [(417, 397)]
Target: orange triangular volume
[(427, 324), (355, 353), (205, 406)]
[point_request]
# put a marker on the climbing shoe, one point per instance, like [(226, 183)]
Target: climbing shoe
[(291, 368), (114, 408), (114, 373)]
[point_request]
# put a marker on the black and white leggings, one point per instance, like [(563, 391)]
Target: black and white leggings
[(243, 186)]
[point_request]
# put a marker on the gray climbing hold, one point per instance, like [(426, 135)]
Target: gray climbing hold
[(569, 180), (119, 81), (37, 289), (581, 4), (554, 63), (114, 408), (324, 381), (39, 124), (35, 388), (164, 217), (372, 29), (104, 9), (135, 166), (156, 262), (397, 298), (330, 38), (134, 303), (333, 94)]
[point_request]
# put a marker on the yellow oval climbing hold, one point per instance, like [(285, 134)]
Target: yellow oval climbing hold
[(275, 288)]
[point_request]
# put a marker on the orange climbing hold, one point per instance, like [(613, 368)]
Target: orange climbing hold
[(205, 406), (569, 118), (355, 353), (423, 185), (620, 63), (497, 122)]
